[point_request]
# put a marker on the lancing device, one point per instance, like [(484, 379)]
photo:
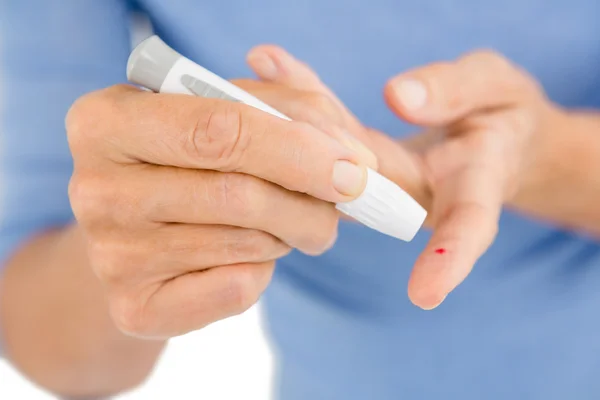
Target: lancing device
[(383, 205)]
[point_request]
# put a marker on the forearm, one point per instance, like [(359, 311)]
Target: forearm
[(56, 326), (564, 186)]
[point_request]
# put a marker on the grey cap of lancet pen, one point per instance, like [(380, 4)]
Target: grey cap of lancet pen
[(150, 63)]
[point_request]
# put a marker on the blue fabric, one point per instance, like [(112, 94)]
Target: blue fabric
[(524, 325), (50, 54)]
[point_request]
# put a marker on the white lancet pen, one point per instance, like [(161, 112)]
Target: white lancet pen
[(383, 205)]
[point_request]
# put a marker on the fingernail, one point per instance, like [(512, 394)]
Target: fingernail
[(263, 65), (348, 178), (366, 155), (411, 93)]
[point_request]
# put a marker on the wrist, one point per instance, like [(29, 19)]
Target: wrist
[(81, 353), (541, 164), (564, 150)]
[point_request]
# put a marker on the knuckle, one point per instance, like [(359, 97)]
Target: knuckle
[(239, 195), (89, 198), (322, 239), (241, 291), (77, 114), (513, 77), (104, 263), (302, 143), (115, 261), (128, 315), (88, 113), (488, 59), (96, 200), (255, 246), (219, 136)]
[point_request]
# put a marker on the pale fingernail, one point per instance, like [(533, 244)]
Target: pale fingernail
[(263, 65), (411, 93), (367, 156), (348, 178)]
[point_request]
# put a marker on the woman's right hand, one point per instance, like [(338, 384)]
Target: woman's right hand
[(187, 202)]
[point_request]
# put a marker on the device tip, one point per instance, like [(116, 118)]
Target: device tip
[(385, 207), (150, 62)]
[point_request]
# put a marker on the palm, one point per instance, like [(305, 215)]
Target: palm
[(461, 175)]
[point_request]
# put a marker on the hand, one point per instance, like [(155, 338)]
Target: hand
[(485, 146), (187, 202)]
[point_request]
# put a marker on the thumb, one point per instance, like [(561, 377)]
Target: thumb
[(442, 93)]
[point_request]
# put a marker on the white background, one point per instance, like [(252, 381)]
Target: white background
[(225, 361)]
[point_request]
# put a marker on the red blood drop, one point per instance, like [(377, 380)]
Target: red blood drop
[(440, 251)]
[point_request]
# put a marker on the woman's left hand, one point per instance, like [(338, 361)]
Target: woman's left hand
[(486, 125)]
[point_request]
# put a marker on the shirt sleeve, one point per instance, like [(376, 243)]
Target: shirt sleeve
[(51, 52)]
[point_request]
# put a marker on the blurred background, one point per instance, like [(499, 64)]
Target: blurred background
[(227, 360)]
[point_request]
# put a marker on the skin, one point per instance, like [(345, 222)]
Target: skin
[(183, 205), (491, 139)]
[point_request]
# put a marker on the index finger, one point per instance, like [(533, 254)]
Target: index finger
[(199, 133), (467, 207), (289, 71)]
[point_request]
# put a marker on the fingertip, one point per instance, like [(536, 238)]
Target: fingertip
[(434, 275), (273, 63), (426, 290), (263, 64), (425, 296), (271, 49), (407, 96), (395, 106), (276, 53), (428, 304)]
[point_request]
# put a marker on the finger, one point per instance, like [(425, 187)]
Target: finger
[(422, 141), (190, 132), (298, 104), (301, 221), (403, 166), (274, 64), (197, 247), (192, 301), (131, 199), (468, 203), (311, 107), (441, 93), (171, 250)]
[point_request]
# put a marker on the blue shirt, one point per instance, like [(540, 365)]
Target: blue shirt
[(524, 325)]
